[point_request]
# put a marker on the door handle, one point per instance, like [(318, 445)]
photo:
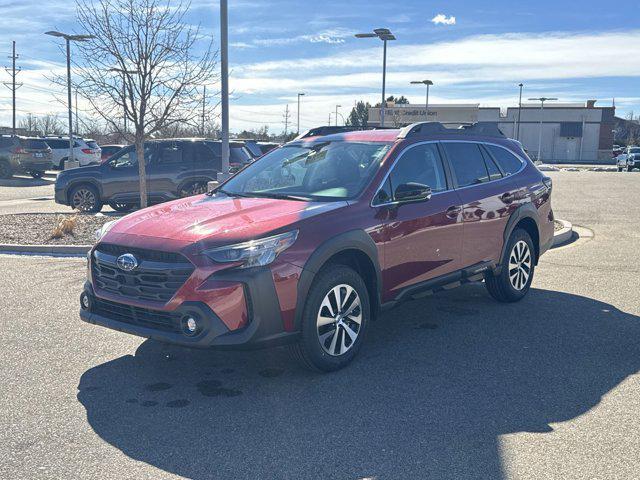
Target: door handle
[(453, 211)]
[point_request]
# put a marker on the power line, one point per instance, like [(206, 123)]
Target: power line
[(13, 86)]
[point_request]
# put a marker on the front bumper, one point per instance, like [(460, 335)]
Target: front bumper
[(264, 326)]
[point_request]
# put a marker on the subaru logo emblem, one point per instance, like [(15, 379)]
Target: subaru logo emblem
[(127, 262)]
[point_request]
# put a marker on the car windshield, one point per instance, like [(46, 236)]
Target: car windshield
[(335, 170)]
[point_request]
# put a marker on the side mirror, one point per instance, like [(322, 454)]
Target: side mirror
[(412, 192)]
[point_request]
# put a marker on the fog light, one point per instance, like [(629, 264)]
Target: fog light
[(85, 301), (190, 325)]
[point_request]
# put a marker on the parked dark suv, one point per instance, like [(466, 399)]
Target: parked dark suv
[(24, 155), (308, 244), (175, 168)]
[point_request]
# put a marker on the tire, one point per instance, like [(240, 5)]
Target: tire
[(620, 169), (36, 174), (62, 162), (327, 342), (5, 169), (629, 169), (193, 188), (122, 207), (85, 198), (512, 284)]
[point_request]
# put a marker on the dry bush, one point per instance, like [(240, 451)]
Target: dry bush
[(65, 226)]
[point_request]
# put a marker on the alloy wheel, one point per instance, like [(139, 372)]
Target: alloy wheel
[(83, 200), (519, 265), (339, 320)]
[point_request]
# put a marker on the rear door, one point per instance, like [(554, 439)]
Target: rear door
[(423, 240), (120, 179), (164, 168), (484, 193)]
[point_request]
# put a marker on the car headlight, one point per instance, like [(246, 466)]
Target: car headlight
[(254, 253), (102, 231)]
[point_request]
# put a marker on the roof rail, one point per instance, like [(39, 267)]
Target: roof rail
[(487, 129), (330, 130)]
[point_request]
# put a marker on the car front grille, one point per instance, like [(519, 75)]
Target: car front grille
[(159, 320), (158, 276)]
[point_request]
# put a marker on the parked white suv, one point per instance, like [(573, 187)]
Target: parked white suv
[(85, 151), (632, 158)]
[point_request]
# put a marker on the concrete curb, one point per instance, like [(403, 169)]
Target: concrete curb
[(563, 235), (45, 249)]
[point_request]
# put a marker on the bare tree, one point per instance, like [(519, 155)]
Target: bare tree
[(141, 65), (50, 124), (29, 123)]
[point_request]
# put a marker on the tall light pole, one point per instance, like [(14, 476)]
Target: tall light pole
[(224, 90), (519, 111), (385, 35), (124, 90), (428, 83), (337, 106), (68, 39), (299, 95), (541, 100)]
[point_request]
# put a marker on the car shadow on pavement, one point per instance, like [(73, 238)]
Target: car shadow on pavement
[(436, 384), (26, 181)]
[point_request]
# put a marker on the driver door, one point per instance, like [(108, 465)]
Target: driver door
[(422, 239)]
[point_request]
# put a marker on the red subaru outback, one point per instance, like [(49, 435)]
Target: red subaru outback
[(308, 244)]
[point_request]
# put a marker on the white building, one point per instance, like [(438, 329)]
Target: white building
[(570, 132)]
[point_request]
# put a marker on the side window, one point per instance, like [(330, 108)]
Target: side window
[(509, 163), (202, 153), (492, 168), (420, 164), (467, 163), (169, 153), (384, 194)]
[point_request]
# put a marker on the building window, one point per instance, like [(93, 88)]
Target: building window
[(570, 129)]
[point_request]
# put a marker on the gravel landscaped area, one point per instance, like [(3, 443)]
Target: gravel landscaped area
[(36, 229), (557, 226)]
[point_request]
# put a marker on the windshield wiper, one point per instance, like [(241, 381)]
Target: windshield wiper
[(280, 196), (229, 194)]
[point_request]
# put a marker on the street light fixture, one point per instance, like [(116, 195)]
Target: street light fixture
[(299, 95), (519, 111), (124, 90), (541, 100), (68, 39), (385, 35), (427, 83)]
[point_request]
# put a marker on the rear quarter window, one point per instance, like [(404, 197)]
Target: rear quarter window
[(508, 162), (34, 144), (92, 144)]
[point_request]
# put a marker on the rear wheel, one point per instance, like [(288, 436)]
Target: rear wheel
[(5, 169), (620, 169), (516, 275), (122, 207), (193, 188), (85, 198), (61, 164), (334, 320), (36, 173)]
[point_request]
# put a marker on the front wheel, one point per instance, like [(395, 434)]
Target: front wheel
[(516, 275), (85, 198), (334, 320), (620, 169)]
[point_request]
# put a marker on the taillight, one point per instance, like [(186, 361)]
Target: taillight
[(20, 150), (88, 151)]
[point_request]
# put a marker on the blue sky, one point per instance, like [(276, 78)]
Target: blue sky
[(474, 52)]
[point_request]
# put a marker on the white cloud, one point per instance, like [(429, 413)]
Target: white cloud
[(442, 19)]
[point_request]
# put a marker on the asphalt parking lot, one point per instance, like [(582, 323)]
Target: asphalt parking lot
[(451, 386)]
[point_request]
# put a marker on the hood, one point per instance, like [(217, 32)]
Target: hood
[(216, 220)]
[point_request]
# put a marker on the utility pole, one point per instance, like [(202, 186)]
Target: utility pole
[(13, 86), (519, 112), (299, 95), (76, 105), (329, 119), (286, 120), (337, 106), (204, 102), (224, 88)]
